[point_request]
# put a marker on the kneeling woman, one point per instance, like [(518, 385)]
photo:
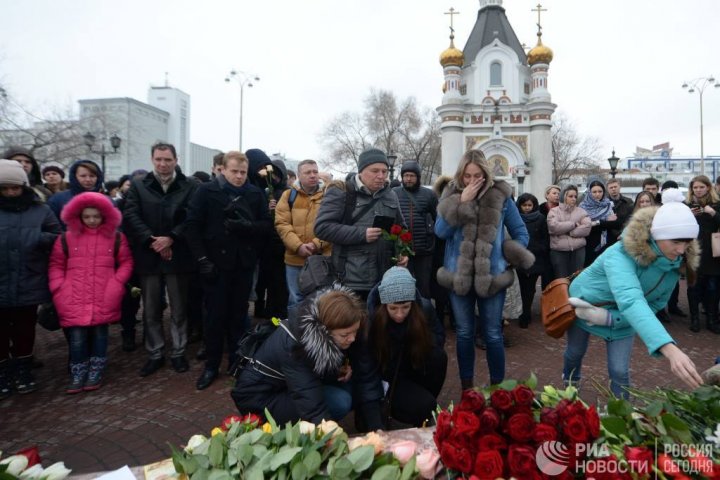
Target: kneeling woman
[(315, 369), (407, 342), (633, 279)]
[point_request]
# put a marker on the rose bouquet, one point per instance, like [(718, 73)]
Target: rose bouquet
[(26, 465), (402, 241)]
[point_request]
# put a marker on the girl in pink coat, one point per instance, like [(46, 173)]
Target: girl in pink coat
[(89, 267)]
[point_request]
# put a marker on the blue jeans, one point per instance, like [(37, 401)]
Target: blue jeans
[(618, 359), (338, 398), (490, 318), (79, 338), (292, 273)]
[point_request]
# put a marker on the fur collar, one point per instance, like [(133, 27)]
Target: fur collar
[(637, 242), (479, 221), (324, 354)]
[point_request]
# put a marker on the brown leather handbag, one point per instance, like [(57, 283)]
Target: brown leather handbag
[(555, 309)]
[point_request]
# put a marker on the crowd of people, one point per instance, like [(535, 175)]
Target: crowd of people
[(207, 245)]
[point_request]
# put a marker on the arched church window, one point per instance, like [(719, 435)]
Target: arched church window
[(495, 73)]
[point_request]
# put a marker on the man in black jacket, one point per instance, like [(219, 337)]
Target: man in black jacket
[(154, 216), (227, 224), (419, 208), (622, 206)]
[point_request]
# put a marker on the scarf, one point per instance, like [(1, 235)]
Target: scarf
[(596, 209)]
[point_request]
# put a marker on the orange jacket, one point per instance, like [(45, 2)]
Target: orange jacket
[(295, 226)]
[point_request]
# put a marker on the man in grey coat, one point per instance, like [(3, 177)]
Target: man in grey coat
[(360, 254)]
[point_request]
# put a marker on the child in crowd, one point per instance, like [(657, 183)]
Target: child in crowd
[(89, 267)]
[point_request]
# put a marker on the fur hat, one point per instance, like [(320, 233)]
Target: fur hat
[(674, 220), (53, 168), (370, 156), (12, 173), (397, 286)]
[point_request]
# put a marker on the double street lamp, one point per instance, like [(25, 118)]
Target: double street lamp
[(114, 143), (698, 85), (243, 79), (613, 161)]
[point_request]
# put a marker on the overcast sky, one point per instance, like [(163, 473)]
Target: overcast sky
[(617, 72)]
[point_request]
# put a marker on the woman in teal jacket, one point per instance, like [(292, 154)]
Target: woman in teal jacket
[(629, 282)]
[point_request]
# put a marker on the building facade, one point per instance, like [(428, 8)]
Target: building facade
[(496, 99)]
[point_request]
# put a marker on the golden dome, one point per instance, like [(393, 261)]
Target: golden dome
[(452, 57), (540, 53)]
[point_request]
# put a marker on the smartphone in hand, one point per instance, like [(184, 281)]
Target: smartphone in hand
[(384, 222)]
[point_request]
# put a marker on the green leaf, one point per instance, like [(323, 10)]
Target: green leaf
[(253, 436), (342, 467), (312, 462), (532, 381), (300, 471), (408, 471), (386, 472), (254, 473), (271, 420), (507, 384), (219, 474), (362, 458), (677, 428), (202, 460), (201, 474), (283, 456), (614, 425), (217, 451), (619, 407), (654, 409), (244, 454)]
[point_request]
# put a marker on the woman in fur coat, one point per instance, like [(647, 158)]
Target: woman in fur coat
[(89, 267), (315, 366), (472, 217), (632, 280)]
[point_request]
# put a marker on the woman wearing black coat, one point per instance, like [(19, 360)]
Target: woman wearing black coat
[(315, 366), (536, 224), (407, 342)]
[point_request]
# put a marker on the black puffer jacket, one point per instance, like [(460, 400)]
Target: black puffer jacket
[(28, 229), (539, 245), (419, 208), (709, 265), (151, 212), (303, 379)]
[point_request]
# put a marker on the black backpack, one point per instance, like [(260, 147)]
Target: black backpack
[(249, 344)]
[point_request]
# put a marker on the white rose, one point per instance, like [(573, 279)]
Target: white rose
[(307, 428), (327, 426), (56, 471), (32, 473), (15, 463), (194, 442)]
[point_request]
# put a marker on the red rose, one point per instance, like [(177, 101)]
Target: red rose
[(229, 420), (32, 454), (640, 459), (523, 395), (549, 416), (443, 427), (593, 422), (465, 426), (488, 465), (456, 458), (520, 427), (521, 460), (501, 399), (576, 429), (406, 237), (491, 441), (489, 420), (573, 408), (471, 401), (395, 230), (607, 468), (544, 433), (519, 409)]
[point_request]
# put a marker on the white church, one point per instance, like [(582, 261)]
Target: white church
[(496, 100)]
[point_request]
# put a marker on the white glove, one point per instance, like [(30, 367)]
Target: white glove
[(591, 314)]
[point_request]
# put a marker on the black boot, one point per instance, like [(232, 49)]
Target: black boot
[(466, 383), (24, 380), (695, 322), (711, 320), (5, 387), (694, 304)]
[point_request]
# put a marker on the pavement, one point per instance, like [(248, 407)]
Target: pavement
[(133, 420)]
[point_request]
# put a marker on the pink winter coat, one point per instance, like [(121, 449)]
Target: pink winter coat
[(568, 227), (86, 287)]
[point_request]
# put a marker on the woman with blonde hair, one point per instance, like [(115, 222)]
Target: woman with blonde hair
[(643, 199), (473, 214), (705, 205)]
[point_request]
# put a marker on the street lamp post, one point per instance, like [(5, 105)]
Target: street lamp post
[(114, 143), (699, 84), (243, 79), (613, 161), (392, 158)]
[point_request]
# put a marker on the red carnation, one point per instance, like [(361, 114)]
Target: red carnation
[(523, 395), (472, 401), (544, 433), (491, 441), (489, 420), (501, 399), (521, 460), (456, 458), (576, 429), (488, 465), (406, 237), (520, 427), (395, 230)]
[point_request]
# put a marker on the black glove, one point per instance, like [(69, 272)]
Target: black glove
[(207, 270), (238, 225)]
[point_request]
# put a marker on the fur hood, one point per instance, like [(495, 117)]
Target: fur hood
[(315, 339), (72, 211), (638, 244)]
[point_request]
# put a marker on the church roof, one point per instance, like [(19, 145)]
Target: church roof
[(491, 24)]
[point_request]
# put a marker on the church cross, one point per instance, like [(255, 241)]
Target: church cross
[(452, 13), (538, 9)]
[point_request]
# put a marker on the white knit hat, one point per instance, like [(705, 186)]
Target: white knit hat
[(674, 220), (12, 173)]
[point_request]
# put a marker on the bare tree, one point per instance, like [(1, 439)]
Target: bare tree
[(393, 125), (570, 151)]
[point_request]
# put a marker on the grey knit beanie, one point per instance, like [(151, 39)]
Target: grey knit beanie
[(370, 156), (12, 173), (397, 286)]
